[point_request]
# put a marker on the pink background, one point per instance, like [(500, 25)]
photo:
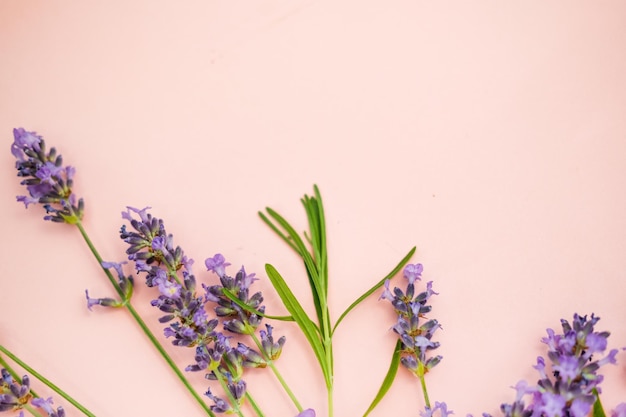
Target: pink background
[(490, 134)]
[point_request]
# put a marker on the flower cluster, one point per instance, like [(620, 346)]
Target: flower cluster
[(15, 396), (153, 252), (240, 312), (569, 387), (48, 182), (414, 330)]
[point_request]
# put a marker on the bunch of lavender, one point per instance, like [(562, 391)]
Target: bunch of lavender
[(49, 183), (166, 267), (570, 386), (242, 313), (571, 389)]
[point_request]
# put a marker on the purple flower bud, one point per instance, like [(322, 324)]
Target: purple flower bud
[(104, 302), (220, 406), (24, 140), (272, 350), (237, 389)]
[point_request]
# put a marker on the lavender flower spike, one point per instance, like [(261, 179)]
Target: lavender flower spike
[(168, 269), (309, 412), (412, 327), (47, 181), (241, 321), (567, 389), (15, 396)]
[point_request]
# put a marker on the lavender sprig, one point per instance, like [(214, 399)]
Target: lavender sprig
[(312, 248), (245, 320), (49, 183), (414, 330), (168, 268), (568, 387)]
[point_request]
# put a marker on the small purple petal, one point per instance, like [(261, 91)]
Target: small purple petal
[(217, 264), (413, 272)]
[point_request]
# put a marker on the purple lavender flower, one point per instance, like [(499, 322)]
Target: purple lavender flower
[(271, 349), (309, 412), (217, 264), (47, 181), (619, 411), (46, 405), (124, 282), (241, 321), (15, 395), (439, 406), (168, 269), (567, 389), (412, 327), (220, 405), (104, 302)]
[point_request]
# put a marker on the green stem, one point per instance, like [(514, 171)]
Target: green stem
[(233, 401), (254, 405), (421, 375), (47, 382), (144, 327), (14, 374), (32, 410), (329, 360), (280, 378)]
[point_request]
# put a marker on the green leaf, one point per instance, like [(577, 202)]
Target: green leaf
[(388, 381), (375, 287), (598, 410), (278, 231), (232, 297), (294, 240), (302, 319)]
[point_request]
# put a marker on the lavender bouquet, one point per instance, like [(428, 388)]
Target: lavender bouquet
[(226, 330)]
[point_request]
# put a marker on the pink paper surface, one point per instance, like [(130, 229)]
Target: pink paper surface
[(491, 135)]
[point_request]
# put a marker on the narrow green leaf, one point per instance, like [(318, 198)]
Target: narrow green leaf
[(375, 287), (388, 381), (293, 235), (302, 319), (319, 299), (278, 232), (323, 261), (598, 410), (317, 240), (231, 296)]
